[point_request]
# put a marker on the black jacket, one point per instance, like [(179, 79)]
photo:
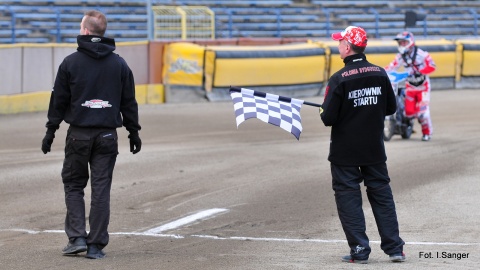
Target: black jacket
[(357, 99), (94, 87)]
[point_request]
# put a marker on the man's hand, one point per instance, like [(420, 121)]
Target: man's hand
[(47, 141), (135, 142)]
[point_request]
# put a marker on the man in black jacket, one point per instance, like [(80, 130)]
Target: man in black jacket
[(94, 92), (357, 98)]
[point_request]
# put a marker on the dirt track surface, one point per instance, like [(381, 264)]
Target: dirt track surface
[(273, 193)]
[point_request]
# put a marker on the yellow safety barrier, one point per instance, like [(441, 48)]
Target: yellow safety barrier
[(212, 69), (381, 53), (183, 64), (39, 101), (264, 66)]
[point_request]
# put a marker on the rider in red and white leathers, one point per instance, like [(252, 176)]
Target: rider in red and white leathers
[(418, 63)]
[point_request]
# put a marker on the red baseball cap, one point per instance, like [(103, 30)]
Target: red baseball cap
[(353, 34)]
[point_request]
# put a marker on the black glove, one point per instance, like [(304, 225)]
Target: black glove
[(48, 140), (135, 142)]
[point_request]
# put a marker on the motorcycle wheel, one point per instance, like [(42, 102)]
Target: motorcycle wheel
[(389, 127)]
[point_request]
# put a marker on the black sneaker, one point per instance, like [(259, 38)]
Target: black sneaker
[(397, 257), (75, 246), (349, 259), (94, 252)]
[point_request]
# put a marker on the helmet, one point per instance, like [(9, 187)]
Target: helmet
[(405, 36)]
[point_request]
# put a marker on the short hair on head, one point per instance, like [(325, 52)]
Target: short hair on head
[(357, 49), (95, 22)]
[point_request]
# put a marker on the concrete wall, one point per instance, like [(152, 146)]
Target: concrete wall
[(27, 68), (11, 70)]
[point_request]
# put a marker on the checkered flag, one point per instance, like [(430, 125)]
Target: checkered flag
[(277, 110)]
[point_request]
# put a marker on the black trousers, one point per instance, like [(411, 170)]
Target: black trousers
[(348, 196), (97, 147)]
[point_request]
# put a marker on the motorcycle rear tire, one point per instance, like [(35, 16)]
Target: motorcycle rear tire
[(407, 132), (389, 127)]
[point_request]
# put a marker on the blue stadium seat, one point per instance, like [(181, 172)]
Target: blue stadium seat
[(5, 24), (241, 18)]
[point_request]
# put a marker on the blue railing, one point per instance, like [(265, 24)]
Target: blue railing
[(13, 25), (475, 21), (14, 16), (377, 21)]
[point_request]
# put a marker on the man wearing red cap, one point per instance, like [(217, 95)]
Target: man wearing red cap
[(357, 99)]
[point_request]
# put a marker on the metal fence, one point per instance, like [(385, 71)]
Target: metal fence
[(183, 22)]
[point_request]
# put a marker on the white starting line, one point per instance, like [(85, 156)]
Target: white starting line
[(187, 220), (202, 215)]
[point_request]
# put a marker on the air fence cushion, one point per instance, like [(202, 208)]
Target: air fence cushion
[(382, 52), (279, 65)]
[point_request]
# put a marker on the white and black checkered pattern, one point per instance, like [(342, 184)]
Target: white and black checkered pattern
[(268, 108)]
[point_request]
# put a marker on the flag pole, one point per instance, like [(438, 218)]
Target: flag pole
[(262, 94), (312, 104)]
